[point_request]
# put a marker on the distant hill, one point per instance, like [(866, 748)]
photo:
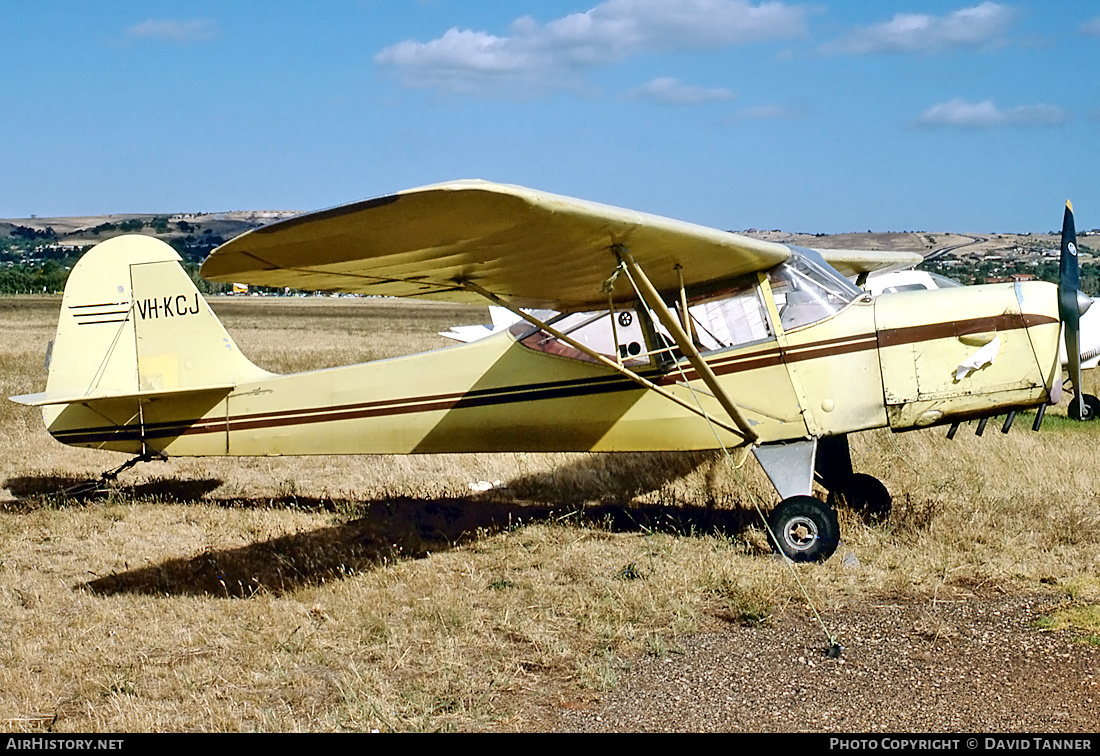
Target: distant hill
[(36, 253), (86, 230), (970, 258)]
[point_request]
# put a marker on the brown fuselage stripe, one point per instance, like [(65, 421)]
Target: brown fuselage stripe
[(721, 364), (887, 337)]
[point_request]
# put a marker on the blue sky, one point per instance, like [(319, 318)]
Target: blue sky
[(821, 117)]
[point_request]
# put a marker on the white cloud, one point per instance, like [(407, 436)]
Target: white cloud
[(196, 30), (1091, 27), (671, 91), (916, 32), (616, 29), (459, 59), (553, 53), (766, 113), (960, 114)]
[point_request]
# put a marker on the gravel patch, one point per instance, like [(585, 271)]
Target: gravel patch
[(967, 665)]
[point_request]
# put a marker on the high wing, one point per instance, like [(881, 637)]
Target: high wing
[(531, 248)]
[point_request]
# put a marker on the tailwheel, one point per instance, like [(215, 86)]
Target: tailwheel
[(863, 494), (1092, 408), (805, 529)]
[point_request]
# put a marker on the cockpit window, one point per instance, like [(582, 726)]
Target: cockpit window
[(807, 290), (592, 329), (733, 317)]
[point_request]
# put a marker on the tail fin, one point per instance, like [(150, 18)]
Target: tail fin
[(133, 324)]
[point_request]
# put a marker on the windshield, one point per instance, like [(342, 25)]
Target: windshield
[(807, 290)]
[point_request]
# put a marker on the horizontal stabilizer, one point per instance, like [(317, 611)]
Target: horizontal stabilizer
[(47, 398)]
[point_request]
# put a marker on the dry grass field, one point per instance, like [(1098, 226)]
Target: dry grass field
[(335, 594)]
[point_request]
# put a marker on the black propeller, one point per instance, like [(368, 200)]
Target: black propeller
[(1072, 304)]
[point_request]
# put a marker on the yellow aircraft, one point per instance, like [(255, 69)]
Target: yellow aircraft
[(664, 336)]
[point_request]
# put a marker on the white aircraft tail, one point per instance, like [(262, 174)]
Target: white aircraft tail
[(133, 324)]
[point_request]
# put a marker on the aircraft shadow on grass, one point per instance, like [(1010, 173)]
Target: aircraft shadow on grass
[(391, 529), (596, 489), (61, 491)]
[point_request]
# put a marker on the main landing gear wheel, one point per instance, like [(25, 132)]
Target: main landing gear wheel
[(805, 529), (1092, 408), (865, 495)]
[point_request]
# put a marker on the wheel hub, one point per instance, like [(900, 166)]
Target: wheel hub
[(800, 533)]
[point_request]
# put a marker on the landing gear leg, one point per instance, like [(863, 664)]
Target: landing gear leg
[(862, 493), (865, 495)]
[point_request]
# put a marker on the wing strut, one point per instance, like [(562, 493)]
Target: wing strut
[(650, 296), (646, 383)]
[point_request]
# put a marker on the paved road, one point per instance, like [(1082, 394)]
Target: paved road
[(938, 253)]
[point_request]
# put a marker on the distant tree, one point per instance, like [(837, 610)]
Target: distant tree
[(104, 227), (14, 280), (31, 234), (1090, 280), (179, 245)]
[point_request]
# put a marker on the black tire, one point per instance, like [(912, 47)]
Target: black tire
[(865, 495), (1092, 408), (804, 529)]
